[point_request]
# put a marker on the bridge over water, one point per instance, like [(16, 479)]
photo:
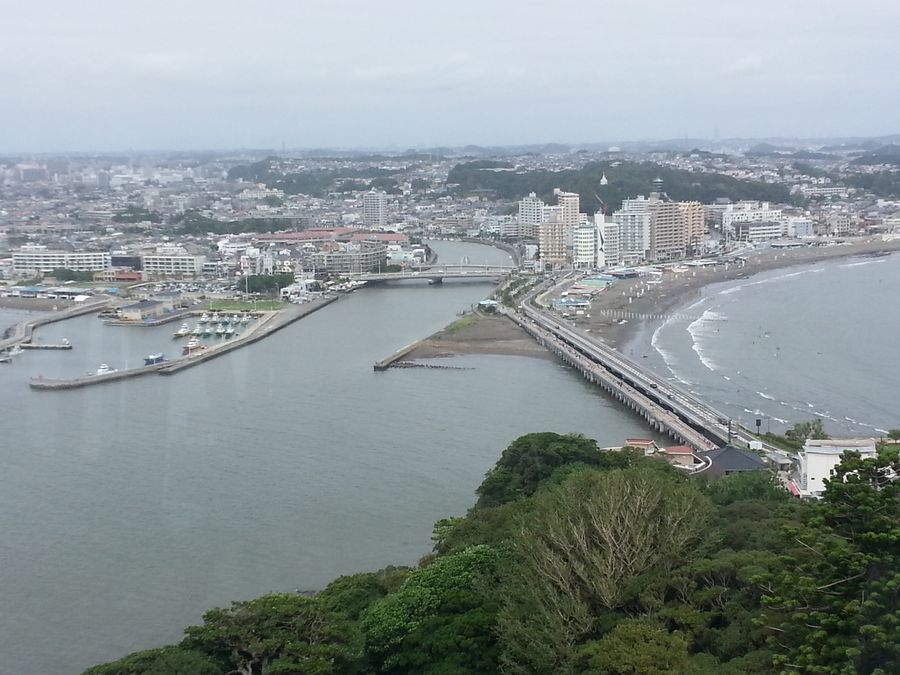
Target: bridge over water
[(437, 273)]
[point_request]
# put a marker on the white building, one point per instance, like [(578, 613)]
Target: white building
[(761, 231), (819, 457), (531, 214), (587, 253), (799, 226), (178, 266), (35, 260), (609, 232), (633, 221), (748, 212), (375, 208)]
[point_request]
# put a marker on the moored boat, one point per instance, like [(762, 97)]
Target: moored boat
[(193, 346), (104, 370), (153, 359), (184, 331)]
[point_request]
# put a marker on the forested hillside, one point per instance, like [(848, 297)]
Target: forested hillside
[(580, 561)]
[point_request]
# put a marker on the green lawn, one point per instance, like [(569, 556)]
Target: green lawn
[(249, 305), (464, 322)]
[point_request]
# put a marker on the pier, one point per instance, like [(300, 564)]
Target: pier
[(21, 333), (384, 364), (272, 322), (33, 345)]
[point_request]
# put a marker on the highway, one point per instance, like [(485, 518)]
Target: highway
[(637, 383)]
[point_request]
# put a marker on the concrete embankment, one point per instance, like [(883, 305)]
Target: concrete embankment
[(384, 364), (22, 332), (269, 324)]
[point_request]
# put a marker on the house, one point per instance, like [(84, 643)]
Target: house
[(144, 310), (818, 459), (648, 446), (729, 460), (678, 455)]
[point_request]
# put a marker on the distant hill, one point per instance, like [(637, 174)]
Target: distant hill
[(886, 154), (626, 180)]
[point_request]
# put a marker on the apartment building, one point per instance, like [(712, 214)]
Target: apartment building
[(375, 208), (633, 221), (531, 214), (38, 260), (172, 266)]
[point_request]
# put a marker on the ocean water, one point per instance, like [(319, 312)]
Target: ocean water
[(127, 509), (815, 341)]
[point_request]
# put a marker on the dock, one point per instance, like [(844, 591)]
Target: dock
[(21, 333), (384, 364), (274, 321), (33, 345)]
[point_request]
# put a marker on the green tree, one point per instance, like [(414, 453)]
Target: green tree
[(635, 647), (163, 661), (804, 430), (833, 609), (441, 609), (530, 460), (274, 634), (894, 434), (595, 544), (352, 595)]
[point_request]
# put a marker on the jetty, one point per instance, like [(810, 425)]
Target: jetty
[(268, 324), (21, 334), (40, 345), (384, 364)]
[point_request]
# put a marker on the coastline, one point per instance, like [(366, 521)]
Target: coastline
[(678, 290), (479, 334)]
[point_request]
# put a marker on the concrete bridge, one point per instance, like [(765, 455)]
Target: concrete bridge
[(666, 407), (437, 273)]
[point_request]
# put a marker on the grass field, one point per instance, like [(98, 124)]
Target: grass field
[(464, 322), (249, 305)]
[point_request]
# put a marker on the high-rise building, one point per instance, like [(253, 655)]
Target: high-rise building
[(375, 208), (676, 228), (553, 238), (570, 204), (609, 232), (633, 221), (531, 214)]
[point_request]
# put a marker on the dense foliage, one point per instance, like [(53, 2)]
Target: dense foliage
[(625, 180), (587, 562)]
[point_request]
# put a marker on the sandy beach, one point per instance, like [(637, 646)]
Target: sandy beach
[(651, 301)]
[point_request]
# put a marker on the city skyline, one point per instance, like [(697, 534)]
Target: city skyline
[(105, 77)]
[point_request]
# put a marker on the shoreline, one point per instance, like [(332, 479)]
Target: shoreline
[(654, 302), (478, 334)]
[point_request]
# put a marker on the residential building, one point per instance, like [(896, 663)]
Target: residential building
[(633, 221), (352, 258), (730, 460), (374, 208), (587, 252), (609, 232), (759, 231), (796, 227), (39, 260), (747, 212), (819, 458), (840, 224), (553, 239), (172, 266), (531, 214)]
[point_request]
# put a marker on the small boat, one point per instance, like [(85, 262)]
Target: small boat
[(184, 331), (153, 359), (229, 332), (16, 350), (204, 318), (220, 330), (207, 330), (198, 331), (193, 346), (245, 320), (5, 358), (104, 370), (235, 318)]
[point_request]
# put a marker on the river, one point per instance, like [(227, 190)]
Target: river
[(129, 508)]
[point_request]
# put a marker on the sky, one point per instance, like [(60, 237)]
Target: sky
[(109, 75)]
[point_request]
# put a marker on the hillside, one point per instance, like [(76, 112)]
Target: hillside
[(626, 180)]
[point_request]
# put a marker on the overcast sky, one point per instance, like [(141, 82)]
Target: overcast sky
[(104, 75)]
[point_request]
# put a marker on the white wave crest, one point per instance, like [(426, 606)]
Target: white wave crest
[(701, 329)]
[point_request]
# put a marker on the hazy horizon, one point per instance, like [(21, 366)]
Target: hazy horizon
[(106, 77)]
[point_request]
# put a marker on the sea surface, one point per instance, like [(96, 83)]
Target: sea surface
[(814, 341), (127, 509)]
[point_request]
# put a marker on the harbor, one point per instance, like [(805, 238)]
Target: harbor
[(261, 327)]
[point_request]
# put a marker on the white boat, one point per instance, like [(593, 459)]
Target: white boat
[(229, 331), (235, 318), (245, 320), (193, 346), (204, 318), (197, 332), (16, 350), (184, 331), (104, 370), (220, 330)]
